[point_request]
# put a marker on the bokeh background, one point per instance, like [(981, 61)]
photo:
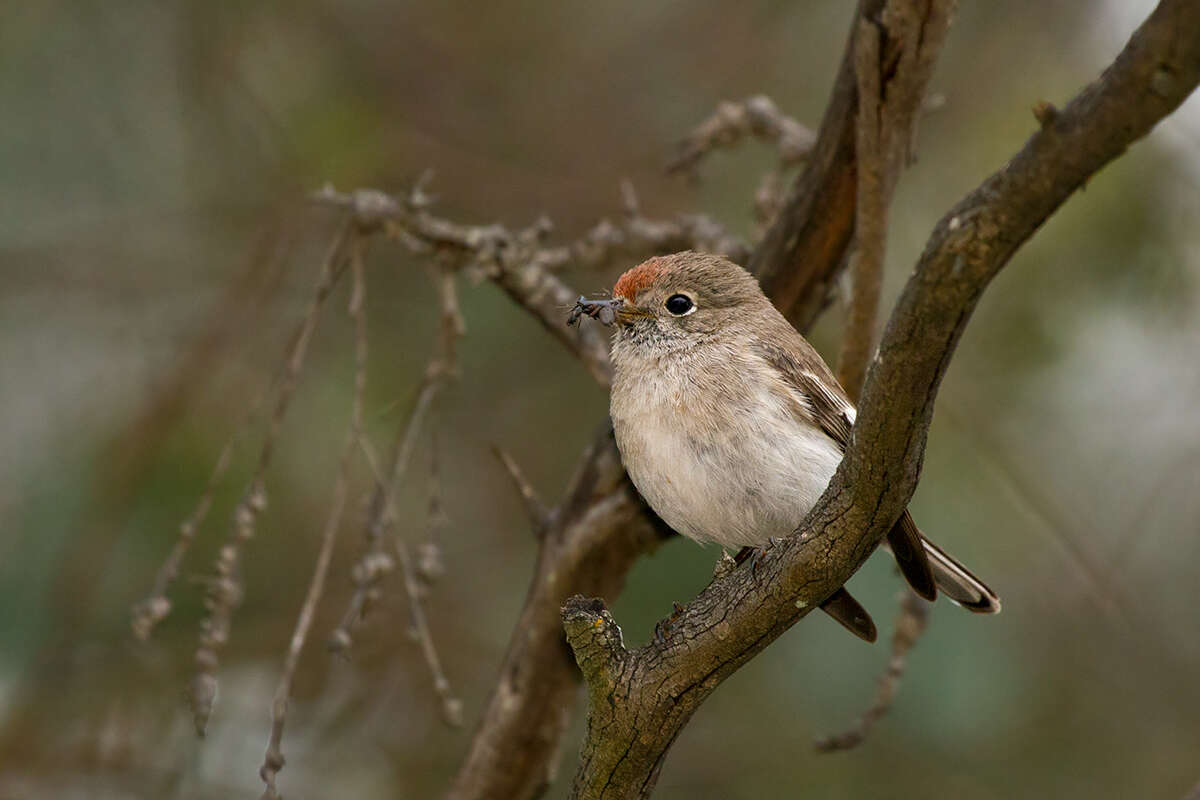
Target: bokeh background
[(156, 248)]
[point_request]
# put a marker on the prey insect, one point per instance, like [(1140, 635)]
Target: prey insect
[(603, 311)]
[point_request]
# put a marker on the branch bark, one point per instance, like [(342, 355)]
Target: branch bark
[(893, 61), (641, 699)]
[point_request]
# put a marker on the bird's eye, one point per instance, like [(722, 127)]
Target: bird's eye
[(680, 305)]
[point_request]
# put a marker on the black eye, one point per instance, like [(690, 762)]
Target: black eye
[(680, 304)]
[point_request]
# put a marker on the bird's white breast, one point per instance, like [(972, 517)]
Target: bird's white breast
[(731, 464)]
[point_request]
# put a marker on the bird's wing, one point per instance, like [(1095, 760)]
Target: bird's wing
[(824, 400), (827, 405)]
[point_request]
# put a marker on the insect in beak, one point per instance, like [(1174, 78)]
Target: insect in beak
[(606, 312)]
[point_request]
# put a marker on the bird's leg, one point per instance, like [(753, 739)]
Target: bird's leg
[(754, 554)]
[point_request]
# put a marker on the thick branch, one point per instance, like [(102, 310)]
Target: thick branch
[(658, 687), (893, 61)]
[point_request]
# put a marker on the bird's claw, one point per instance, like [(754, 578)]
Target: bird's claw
[(754, 555)]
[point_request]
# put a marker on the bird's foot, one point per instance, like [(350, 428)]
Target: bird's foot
[(754, 555)]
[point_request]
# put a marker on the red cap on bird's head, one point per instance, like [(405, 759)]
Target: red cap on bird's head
[(638, 278)]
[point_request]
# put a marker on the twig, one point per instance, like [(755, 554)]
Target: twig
[(376, 560), (273, 761), (224, 591), (911, 619), (156, 606), (535, 509), (430, 566), (451, 705), (729, 125), (756, 116)]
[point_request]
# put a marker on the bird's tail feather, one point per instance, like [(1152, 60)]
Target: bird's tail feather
[(958, 583)]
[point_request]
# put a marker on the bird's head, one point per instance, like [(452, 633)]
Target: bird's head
[(677, 301)]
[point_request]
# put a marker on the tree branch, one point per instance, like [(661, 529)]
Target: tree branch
[(756, 116), (224, 587), (653, 691), (893, 61), (273, 759)]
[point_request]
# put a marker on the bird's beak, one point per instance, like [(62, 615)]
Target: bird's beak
[(607, 312)]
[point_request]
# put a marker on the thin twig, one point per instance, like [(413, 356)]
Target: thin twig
[(756, 116), (535, 509), (451, 705), (224, 588), (273, 761), (911, 619), (731, 124), (376, 560), (430, 566), (157, 605)]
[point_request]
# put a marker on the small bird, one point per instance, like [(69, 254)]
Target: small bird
[(731, 425)]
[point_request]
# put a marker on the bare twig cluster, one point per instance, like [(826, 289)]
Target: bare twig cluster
[(273, 761), (376, 560), (155, 607), (224, 587), (732, 123), (756, 116), (523, 263)]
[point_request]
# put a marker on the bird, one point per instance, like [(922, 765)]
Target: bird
[(731, 425)]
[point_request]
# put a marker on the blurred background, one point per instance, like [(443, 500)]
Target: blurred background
[(156, 249)]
